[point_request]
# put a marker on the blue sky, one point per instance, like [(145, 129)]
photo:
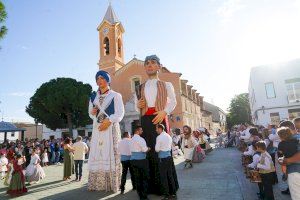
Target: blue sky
[(213, 43)]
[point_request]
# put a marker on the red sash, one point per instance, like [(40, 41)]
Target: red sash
[(151, 111)]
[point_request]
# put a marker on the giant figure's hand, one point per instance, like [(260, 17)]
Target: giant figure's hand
[(94, 111), (141, 103), (160, 116), (104, 125)]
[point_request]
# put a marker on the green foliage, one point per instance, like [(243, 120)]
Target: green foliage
[(61, 103), (3, 16), (239, 110)]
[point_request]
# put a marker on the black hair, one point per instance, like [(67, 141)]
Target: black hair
[(125, 134), (253, 131), (161, 126), (296, 120), (288, 124), (137, 128)]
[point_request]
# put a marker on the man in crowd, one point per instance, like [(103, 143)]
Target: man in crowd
[(79, 155)]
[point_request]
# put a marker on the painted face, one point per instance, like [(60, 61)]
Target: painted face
[(101, 82), (152, 67)]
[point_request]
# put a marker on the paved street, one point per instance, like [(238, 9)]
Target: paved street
[(220, 176)]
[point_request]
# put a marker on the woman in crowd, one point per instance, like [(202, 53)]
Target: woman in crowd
[(68, 159), (17, 182)]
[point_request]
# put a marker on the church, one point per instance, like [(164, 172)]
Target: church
[(126, 76)]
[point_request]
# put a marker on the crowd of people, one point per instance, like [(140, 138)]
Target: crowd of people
[(23, 161), (266, 149), (193, 145)]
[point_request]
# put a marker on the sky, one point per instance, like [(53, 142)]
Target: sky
[(213, 43)]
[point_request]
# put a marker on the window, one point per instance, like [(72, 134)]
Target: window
[(293, 91), (270, 91), (12, 134), (294, 113), (119, 48), (275, 118), (135, 83), (106, 46)]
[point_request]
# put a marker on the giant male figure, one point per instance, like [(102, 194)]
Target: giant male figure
[(156, 99)]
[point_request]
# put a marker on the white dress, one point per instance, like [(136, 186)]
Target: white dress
[(34, 171), (3, 164), (45, 158), (104, 160)]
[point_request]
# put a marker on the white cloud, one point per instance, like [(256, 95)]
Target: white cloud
[(20, 94)]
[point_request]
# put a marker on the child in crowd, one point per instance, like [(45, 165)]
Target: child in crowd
[(253, 165), (3, 165), (45, 158), (266, 170)]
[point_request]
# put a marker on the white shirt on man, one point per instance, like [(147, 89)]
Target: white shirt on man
[(124, 147), (151, 94), (245, 135), (163, 142), (138, 144), (80, 150), (275, 139)]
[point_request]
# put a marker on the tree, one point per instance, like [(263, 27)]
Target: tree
[(61, 103), (3, 15), (239, 110)]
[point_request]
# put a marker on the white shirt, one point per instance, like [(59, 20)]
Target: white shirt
[(267, 163), (275, 139), (250, 151), (245, 135), (267, 142), (163, 142), (256, 159), (138, 144), (151, 94), (124, 147), (80, 150)]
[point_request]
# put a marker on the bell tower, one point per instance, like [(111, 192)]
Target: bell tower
[(111, 42)]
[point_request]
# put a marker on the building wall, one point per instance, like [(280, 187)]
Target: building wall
[(122, 83), (60, 133), (278, 75), (11, 136), (32, 131)]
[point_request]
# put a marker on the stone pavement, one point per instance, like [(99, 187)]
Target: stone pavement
[(219, 177)]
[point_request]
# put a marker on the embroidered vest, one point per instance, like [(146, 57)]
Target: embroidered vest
[(262, 161), (161, 97)]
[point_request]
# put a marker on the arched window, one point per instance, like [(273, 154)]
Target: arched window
[(135, 83), (106, 46), (119, 48)]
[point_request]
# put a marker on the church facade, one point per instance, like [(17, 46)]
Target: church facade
[(126, 76)]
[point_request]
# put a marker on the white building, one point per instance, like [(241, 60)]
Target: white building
[(62, 133), (218, 116), (274, 92), (8, 131)]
